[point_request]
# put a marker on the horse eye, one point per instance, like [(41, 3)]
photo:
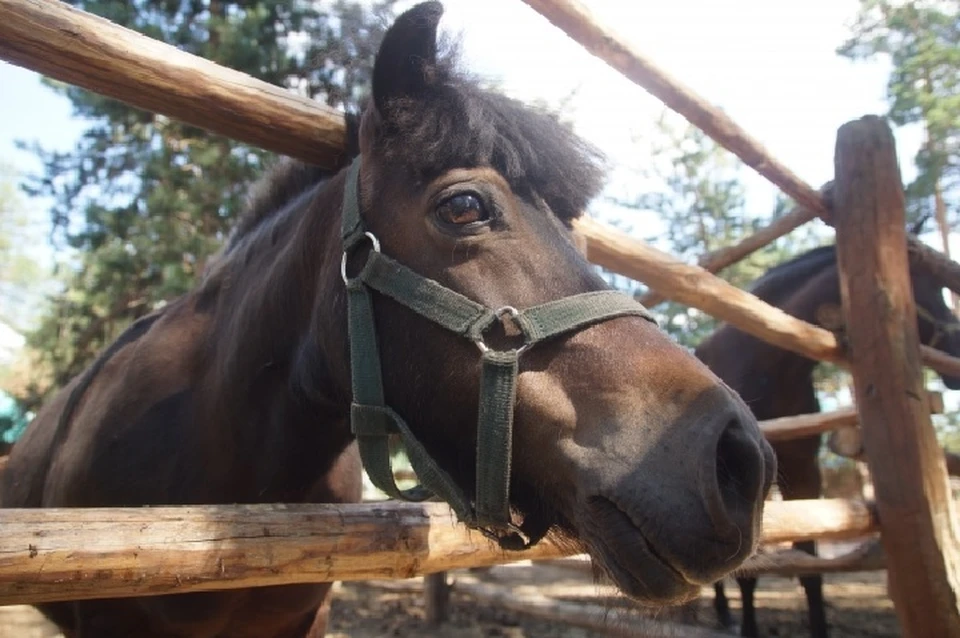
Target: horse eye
[(462, 209)]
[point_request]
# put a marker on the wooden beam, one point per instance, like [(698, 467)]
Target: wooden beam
[(906, 463), (71, 45), (795, 427), (74, 554), (944, 269), (696, 287), (718, 260), (801, 425), (692, 285), (574, 19), (817, 519)]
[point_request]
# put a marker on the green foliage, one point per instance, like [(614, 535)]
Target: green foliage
[(922, 41), (697, 190), (143, 201)]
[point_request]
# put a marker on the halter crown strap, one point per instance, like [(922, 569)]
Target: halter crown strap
[(373, 422)]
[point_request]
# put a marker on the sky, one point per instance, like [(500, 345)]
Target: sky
[(770, 64)]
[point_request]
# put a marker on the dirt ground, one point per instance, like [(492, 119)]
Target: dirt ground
[(858, 607)]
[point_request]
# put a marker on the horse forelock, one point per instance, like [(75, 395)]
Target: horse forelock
[(459, 123)]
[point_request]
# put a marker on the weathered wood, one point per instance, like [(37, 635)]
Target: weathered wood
[(848, 442), (841, 420), (818, 519), (73, 554), (718, 260), (910, 479), (795, 427), (944, 269), (65, 43), (574, 19), (694, 286)]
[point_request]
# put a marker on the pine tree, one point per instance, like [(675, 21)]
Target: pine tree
[(922, 41), (142, 200)]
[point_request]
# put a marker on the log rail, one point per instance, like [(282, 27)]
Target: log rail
[(82, 553)]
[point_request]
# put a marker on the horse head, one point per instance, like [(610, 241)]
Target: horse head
[(487, 318)]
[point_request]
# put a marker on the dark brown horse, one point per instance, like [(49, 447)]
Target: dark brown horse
[(240, 391), (777, 383)]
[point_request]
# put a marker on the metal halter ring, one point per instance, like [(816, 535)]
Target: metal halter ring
[(511, 313), (375, 246)]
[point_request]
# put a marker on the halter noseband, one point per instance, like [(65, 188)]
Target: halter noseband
[(372, 422)]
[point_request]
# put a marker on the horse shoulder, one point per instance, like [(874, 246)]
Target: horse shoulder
[(131, 420)]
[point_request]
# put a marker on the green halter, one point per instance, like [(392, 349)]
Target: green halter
[(372, 422)]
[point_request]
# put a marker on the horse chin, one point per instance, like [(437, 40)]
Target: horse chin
[(629, 557)]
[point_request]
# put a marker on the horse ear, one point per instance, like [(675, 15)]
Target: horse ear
[(408, 51), (917, 227)]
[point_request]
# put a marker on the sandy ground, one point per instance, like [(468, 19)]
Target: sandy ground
[(858, 606)]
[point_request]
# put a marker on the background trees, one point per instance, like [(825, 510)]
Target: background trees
[(142, 201)]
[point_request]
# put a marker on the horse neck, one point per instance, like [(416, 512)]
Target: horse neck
[(271, 287), (777, 382)]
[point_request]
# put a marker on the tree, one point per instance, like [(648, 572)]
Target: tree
[(695, 188), (142, 200), (922, 41)]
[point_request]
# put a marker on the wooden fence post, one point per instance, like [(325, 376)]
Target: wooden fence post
[(917, 518), (436, 598)]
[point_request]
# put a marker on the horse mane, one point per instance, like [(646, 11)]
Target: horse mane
[(458, 123), (784, 279), (286, 180)]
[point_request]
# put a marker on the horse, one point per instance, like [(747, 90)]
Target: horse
[(777, 383), (282, 373)]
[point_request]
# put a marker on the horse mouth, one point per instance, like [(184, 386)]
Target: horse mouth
[(629, 557)]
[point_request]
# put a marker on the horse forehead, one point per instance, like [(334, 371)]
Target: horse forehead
[(478, 173)]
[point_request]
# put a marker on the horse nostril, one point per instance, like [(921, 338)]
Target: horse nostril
[(739, 473)]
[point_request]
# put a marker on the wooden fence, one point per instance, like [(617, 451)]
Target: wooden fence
[(73, 554)]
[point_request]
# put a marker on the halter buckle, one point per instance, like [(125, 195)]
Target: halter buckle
[(374, 246), (503, 314)]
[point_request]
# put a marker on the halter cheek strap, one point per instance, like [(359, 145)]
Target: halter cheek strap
[(373, 422)]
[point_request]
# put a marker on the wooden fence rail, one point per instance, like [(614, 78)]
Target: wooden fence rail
[(694, 286), (71, 45), (574, 19), (75, 554)]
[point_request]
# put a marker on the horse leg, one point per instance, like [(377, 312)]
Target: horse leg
[(813, 587), (748, 625), (722, 606)]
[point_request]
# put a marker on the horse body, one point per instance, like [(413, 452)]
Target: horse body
[(240, 391), (777, 383)]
